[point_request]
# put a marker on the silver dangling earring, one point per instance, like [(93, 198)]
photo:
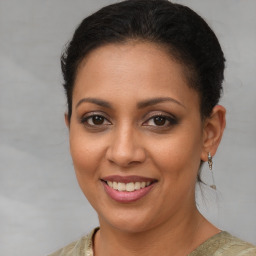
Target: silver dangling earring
[(210, 167), (210, 161)]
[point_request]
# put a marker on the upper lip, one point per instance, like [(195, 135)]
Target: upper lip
[(127, 179)]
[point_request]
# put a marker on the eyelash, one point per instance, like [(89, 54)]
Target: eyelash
[(171, 121), (85, 120)]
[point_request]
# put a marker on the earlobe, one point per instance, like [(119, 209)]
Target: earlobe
[(67, 121), (213, 130)]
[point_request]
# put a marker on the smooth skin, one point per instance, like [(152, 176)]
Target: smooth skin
[(133, 113)]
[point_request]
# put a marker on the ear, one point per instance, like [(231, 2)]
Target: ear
[(67, 121), (213, 130)]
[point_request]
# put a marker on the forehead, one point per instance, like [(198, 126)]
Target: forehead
[(133, 69)]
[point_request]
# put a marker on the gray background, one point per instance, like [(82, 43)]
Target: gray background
[(41, 206)]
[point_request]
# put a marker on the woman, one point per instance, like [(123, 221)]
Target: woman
[(143, 79)]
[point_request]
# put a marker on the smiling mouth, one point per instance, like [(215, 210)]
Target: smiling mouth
[(128, 187), (127, 183)]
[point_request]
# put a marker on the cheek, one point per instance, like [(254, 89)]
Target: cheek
[(178, 154), (86, 152)]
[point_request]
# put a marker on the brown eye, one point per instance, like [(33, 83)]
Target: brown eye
[(163, 121), (159, 120), (95, 120), (98, 120)]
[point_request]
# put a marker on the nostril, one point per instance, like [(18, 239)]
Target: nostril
[(125, 150)]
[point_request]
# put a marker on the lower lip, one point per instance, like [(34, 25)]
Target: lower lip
[(127, 197)]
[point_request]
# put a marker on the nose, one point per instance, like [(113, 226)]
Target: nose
[(126, 148)]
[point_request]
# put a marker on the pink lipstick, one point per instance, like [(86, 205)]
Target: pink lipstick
[(127, 189)]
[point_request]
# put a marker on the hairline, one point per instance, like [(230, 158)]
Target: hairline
[(189, 72)]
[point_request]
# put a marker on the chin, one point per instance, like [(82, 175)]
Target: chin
[(128, 220)]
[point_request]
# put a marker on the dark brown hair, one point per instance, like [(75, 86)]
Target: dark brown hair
[(184, 33)]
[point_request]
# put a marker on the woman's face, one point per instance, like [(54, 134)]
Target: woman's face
[(136, 136)]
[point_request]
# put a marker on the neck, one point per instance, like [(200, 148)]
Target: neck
[(178, 236)]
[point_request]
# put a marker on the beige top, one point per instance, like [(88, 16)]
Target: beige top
[(222, 244)]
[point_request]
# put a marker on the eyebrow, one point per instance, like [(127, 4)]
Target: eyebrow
[(142, 104), (99, 102), (154, 101)]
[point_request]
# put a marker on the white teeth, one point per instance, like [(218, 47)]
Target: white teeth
[(110, 183), (115, 186), (121, 186), (143, 184), (129, 187), (137, 185)]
